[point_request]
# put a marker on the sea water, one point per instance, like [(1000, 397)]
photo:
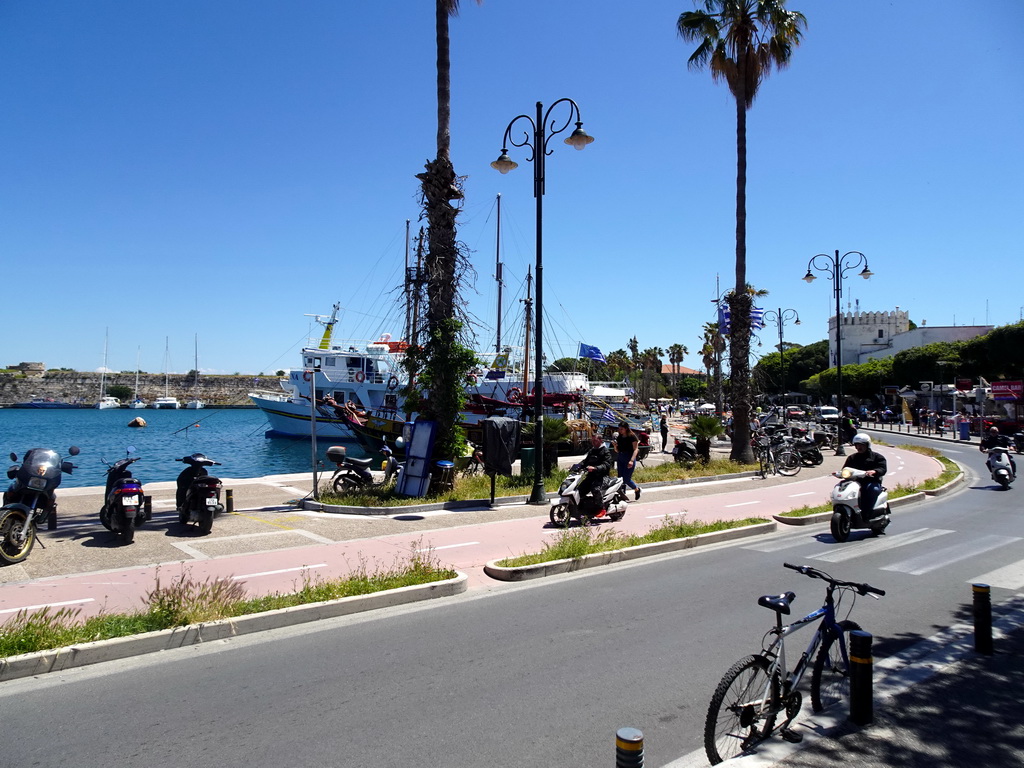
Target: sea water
[(232, 436)]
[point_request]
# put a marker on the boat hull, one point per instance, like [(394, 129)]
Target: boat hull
[(289, 419)]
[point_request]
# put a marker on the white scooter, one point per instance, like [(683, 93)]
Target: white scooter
[(568, 505), (846, 511), (1000, 466)]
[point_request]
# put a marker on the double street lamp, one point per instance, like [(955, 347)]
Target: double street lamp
[(780, 317), (540, 132), (836, 268)]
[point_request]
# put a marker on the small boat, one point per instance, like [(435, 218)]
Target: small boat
[(46, 402), (166, 401), (137, 402), (195, 403), (107, 402)]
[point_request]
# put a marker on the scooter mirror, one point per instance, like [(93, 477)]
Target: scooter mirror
[(66, 467), (14, 456), (74, 450), (130, 449)]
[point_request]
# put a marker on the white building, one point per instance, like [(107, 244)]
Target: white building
[(871, 335)]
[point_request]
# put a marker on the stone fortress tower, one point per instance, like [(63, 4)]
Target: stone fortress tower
[(866, 332)]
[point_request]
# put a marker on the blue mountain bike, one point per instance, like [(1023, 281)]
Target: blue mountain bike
[(758, 689)]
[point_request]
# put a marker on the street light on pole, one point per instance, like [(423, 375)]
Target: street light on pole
[(780, 317), (542, 130), (836, 268)]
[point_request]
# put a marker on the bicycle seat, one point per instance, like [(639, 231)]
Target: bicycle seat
[(778, 603)]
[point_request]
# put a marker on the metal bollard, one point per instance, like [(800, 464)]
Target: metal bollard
[(982, 618), (229, 500), (862, 710), (629, 748), (147, 507)]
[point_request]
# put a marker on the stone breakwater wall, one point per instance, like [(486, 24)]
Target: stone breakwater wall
[(84, 387)]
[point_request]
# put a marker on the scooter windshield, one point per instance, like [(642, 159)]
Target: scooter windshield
[(40, 462)]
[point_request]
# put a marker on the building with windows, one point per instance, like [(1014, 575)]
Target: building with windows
[(872, 335)]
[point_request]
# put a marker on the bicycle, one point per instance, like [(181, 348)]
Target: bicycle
[(787, 461), (757, 688), (765, 457)]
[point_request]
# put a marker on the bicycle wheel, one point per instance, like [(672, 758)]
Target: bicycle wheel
[(830, 679), (788, 463), (743, 709)]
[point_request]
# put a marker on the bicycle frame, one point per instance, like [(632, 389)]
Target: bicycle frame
[(776, 651)]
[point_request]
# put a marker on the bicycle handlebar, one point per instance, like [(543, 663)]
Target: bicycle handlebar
[(814, 573)]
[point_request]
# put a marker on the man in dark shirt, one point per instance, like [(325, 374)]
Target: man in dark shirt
[(597, 464), (874, 464), (995, 440)]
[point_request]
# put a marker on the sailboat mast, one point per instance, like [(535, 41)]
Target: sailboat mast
[(103, 370), (497, 276)]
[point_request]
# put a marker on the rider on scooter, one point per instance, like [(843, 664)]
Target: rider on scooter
[(597, 463), (874, 465), (996, 440)]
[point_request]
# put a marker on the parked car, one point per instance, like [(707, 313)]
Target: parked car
[(827, 414), (795, 412)]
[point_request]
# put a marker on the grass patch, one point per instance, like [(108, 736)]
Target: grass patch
[(473, 487), (187, 601), (574, 543)]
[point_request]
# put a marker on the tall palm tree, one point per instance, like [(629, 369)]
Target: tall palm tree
[(446, 360), (741, 41), (714, 346), (676, 353), (650, 361)]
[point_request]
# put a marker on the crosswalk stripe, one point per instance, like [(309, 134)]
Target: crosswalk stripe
[(870, 547), (778, 546), (932, 561), (1008, 577)]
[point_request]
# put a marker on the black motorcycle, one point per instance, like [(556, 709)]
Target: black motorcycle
[(684, 451), (30, 500), (124, 509), (1018, 442), (198, 496), (352, 474), (808, 447)]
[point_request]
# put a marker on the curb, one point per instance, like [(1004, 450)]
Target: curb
[(59, 659), (569, 565), (499, 501)]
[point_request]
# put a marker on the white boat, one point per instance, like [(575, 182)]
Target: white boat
[(137, 402), (165, 402), (195, 403), (108, 402), (105, 402)]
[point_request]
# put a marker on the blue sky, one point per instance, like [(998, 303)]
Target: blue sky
[(224, 168)]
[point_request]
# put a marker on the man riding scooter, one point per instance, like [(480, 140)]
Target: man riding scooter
[(995, 440), (874, 465), (597, 463)]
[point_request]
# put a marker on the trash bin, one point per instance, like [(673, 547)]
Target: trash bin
[(965, 430), (527, 461), (444, 473)]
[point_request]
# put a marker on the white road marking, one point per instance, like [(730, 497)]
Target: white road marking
[(880, 545), (742, 504), (282, 570), (1009, 577), (667, 514), (49, 605), (808, 493), (448, 546), (932, 561)]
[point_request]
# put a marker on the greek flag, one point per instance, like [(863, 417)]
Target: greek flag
[(724, 317), (593, 353), (609, 415)]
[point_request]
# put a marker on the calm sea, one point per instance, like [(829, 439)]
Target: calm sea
[(234, 437)]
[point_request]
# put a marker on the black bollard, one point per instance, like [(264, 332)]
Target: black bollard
[(629, 748), (982, 618), (862, 710), (147, 507), (229, 500)]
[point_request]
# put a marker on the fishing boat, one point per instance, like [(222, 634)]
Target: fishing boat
[(46, 402)]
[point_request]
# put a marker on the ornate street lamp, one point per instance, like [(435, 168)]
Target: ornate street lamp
[(836, 268), (780, 317), (542, 130)]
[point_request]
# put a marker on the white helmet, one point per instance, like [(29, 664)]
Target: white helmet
[(861, 438)]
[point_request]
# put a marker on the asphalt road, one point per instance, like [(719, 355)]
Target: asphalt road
[(536, 674)]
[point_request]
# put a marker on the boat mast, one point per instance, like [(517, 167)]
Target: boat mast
[(408, 302), (497, 276), (103, 370), (138, 351), (528, 301), (325, 340)]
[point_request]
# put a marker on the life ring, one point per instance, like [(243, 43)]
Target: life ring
[(472, 378), (384, 338), (307, 376), (393, 382), (514, 395), (360, 377)]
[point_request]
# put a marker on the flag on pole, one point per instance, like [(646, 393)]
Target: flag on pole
[(725, 316), (592, 353), (609, 415)]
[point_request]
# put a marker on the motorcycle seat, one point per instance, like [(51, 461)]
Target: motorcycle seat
[(777, 603), (364, 463)]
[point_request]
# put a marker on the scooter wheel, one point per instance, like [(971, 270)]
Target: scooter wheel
[(616, 517), (127, 532), (840, 527), (560, 515), (183, 516), (206, 524), (51, 521)]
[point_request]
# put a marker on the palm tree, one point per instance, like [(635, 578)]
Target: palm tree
[(446, 360), (676, 353), (618, 363), (741, 41), (714, 346), (650, 360)]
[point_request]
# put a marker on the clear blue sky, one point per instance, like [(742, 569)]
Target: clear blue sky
[(223, 168)]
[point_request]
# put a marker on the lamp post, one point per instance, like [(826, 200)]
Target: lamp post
[(780, 317), (836, 268), (540, 132)]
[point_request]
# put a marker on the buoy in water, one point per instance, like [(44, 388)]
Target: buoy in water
[(138, 421)]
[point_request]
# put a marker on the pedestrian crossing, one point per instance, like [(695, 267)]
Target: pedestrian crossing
[(963, 548)]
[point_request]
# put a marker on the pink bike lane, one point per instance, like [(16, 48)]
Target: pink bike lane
[(465, 548)]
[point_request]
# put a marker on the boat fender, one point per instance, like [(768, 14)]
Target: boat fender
[(393, 382), (472, 379), (514, 395), (307, 376), (360, 377)]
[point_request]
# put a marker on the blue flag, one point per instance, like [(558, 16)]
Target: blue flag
[(725, 317), (609, 415), (593, 353)]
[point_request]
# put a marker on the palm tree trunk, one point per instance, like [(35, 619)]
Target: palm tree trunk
[(740, 303)]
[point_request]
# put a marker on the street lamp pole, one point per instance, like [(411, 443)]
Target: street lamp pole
[(779, 317), (542, 130), (836, 268)]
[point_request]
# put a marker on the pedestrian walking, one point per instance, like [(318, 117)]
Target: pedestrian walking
[(664, 434), (628, 445)]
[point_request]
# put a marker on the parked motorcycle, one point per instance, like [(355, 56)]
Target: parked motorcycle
[(808, 449), (123, 510), (30, 500), (352, 474), (1018, 442), (684, 450), (198, 496), (846, 511), (1000, 466), (568, 505)]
